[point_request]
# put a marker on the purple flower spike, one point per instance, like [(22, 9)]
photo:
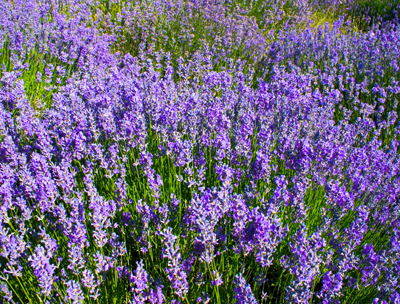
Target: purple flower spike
[(74, 292), (43, 270), (217, 281), (175, 274), (243, 292)]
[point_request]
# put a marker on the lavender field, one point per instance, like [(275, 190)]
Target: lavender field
[(205, 151)]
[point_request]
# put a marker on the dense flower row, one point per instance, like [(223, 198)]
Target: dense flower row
[(161, 179)]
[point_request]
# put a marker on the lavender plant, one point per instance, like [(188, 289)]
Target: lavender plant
[(181, 152)]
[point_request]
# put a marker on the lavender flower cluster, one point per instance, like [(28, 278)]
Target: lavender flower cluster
[(181, 152)]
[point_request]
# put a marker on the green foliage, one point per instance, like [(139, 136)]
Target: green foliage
[(365, 13), (30, 65)]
